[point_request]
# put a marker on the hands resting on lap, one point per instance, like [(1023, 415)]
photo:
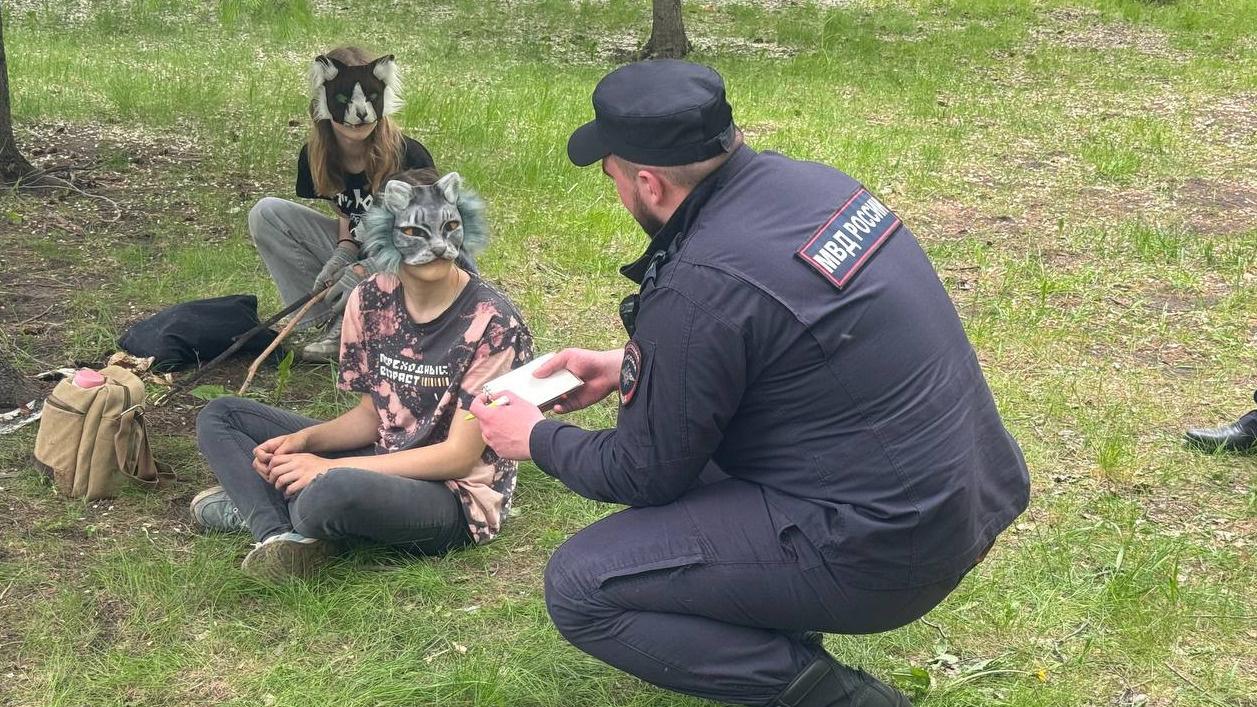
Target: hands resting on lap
[(281, 461)]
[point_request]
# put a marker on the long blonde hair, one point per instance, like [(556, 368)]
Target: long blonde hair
[(384, 146)]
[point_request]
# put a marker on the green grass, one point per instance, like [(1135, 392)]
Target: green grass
[(1079, 171)]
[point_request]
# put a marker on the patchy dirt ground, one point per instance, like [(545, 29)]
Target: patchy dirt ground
[(62, 243), (1232, 121), (1082, 29), (1205, 206), (57, 236), (15, 388)]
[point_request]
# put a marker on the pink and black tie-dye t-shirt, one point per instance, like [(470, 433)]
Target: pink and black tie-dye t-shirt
[(421, 375)]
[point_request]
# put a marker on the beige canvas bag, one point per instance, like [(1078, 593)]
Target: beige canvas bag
[(91, 438)]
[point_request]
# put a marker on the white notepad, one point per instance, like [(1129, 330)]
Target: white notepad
[(538, 391)]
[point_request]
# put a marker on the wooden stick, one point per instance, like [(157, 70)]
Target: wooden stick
[(283, 334), (37, 316), (1209, 696), (241, 340)]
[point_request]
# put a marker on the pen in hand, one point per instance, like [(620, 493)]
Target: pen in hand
[(494, 403)]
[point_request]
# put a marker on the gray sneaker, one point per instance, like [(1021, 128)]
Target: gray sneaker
[(281, 557), (214, 511), (324, 349)]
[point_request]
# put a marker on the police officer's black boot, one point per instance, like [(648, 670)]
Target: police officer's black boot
[(828, 683), (1239, 436)]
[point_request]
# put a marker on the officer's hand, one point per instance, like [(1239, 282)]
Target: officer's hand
[(507, 425), (599, 369)]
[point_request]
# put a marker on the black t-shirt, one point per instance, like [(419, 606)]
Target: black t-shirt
[(354, 199)]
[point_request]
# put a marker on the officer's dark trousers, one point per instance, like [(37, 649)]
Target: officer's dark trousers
[(705, 596)]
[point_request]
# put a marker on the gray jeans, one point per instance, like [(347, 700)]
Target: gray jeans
[(343, 504), (295, 242)]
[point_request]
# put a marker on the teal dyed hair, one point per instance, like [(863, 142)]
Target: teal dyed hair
[(473, 209), (377, 229)]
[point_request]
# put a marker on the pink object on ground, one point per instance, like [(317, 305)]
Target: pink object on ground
[(87, 378)]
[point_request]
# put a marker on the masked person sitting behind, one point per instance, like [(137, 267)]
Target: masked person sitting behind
[(352, 148), (404, 467), (791, 333)]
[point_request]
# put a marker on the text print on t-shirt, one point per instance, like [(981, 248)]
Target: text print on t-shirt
[(421, 375), (357, 204)]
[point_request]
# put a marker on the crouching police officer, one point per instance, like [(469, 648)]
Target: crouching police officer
[(805, 437)]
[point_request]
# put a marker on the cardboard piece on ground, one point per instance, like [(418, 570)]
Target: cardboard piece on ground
[(18, 418)]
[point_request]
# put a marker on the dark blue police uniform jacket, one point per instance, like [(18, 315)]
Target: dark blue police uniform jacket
[(798, 336)]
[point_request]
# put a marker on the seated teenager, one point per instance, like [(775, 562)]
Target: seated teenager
[(405, 467), (352, 148)]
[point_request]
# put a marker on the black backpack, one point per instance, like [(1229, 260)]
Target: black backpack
[(192, 333)]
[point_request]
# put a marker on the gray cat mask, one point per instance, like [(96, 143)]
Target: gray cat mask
[(418, 224)]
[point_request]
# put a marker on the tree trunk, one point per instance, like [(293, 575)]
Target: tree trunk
[(13, 166), (667, 32)]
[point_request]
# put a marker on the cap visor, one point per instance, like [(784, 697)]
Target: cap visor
[(586, 147)]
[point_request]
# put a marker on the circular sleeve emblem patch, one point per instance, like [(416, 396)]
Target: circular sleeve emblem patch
[(630, 372)]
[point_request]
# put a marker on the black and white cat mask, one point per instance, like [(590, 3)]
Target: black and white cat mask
[(355, 95), (418, 224)]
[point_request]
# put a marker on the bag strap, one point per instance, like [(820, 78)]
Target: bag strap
[(137, 451)]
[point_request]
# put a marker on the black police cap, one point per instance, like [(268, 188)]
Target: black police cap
[(661, 112)]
